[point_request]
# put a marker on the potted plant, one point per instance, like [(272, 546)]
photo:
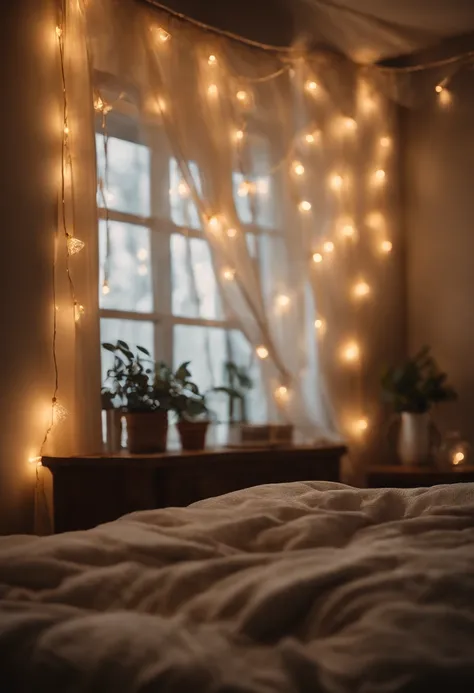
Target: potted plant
[(412, 389), (135, 379), (190, 407), (237, 384)]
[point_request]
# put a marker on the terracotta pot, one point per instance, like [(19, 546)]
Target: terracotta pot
[(147, 431), (193, 434)]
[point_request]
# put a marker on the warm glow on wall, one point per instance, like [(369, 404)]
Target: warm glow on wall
[(163, 35), (445, 97), (360, 426)]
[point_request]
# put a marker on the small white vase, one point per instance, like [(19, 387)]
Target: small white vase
[(414, 438)]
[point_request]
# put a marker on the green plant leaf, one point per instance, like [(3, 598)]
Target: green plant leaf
[(143, 350), (109, 347)]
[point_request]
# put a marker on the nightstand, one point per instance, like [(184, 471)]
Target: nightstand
[(400, 476)]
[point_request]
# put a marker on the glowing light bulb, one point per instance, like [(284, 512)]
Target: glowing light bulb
[(311, 86), (74, 245), (350, 352), (35, 460), (183, 189), (79, 311), (439, 88), (348, 230), (312, 137), (458, 457), (98, 104), (59, 412), (231, 232), (163, 35), (105, 287), (386, 246), (379, 175), (385, 142), (66, 130), (283, 300), (360, 426), (262, 352), (214, 224), (142, 254), (59, 32), (298, 168), (228, 274), (336, 181), (328, 247), (242, 96), (142, 270), (212, 90), (361, 290), (212, 60), (304, 206), (281, 392), (239, 135), (245, 187), (317, 258), (319, 324), (350, 124)]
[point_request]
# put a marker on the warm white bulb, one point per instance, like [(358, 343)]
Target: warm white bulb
[(59, 412), (312, 137), (214, 224), (439, 88), (348, 230), (98, 104), (386, 246), (317, 258), (458, 457), (361, 290), (66, 130), (262, 352), (183, 189), (311, 85), (375, 220), (142, 254), (350, 352), (163, 35), (337, 181), (360, 426), (304, 206), (242, 96), (328, 247), (212, 90), (283, 300), (105, 288), (319, 324), (298, 168), (228, 274), (212, 60), (79, 311), (74, 245), (244, 189), (385, 142), (35, 460), (281, 392), (379, 175), (239, 135), (231, 232), (59, 31)]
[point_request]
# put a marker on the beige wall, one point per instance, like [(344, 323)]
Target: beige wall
[(29, 155), (438, 149)]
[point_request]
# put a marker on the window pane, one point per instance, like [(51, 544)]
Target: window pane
[(128, 175), (129, 276), (195, 292), (183, 209), (242, 354), (253, 197), (134, 332)]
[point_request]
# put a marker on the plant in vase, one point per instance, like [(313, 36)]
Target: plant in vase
[(133, 376), (412, 389), (236, 386), (191, 409)]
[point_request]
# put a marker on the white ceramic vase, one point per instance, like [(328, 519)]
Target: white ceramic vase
[(414, 438)]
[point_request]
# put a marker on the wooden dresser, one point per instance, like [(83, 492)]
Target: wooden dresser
[(93, 489), (399, 476)]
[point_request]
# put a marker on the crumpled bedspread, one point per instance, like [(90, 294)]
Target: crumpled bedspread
[(297, 587)]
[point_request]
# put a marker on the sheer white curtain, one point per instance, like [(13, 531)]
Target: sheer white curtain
[(287, 167)]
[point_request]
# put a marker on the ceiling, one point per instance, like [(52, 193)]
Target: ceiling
[(365, 30)]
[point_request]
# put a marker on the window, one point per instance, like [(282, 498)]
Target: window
[(157, 283)]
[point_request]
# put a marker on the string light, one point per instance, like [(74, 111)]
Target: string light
[(79, 311), (212, 90), (281, 393), (379, 175), (244, 189), (142, 254), (262, 186), (439, 88), (214, 224), (350, 124), (328, 247), (319, 325), (312, 137), (298, 168), (385, 142), (262, 352), (242, 96), (59, 32), (74, 245), (239, 135), (228, 274), (359, 426), (317, 258), (361, 290), (231, 232), (59, 412), (386, 246), (336, 181), (283, 300), (66, 130), (348, 230), (183, 189), (350, 352), (311, 86), (98, 104), (105, 287), (163, 35), (458, 457), (304, 206), (212, 60), (375, 220)]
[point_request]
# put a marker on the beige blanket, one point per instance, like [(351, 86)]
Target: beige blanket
[(297, 587)]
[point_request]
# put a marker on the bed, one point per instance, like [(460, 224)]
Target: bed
[(298, 587)]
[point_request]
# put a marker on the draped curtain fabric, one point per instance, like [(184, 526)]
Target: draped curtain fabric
[(296, 194)]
